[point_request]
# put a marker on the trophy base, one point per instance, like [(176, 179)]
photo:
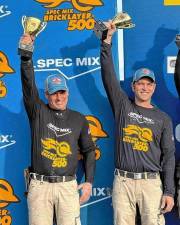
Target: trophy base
[(100, 29), (125, 25)]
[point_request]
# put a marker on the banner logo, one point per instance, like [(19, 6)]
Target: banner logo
[(4, 11), (171, 2), (80, 5), (97, 133), (4, 68), (7, 197), (84, 19), (3, 89), (171, 62), (58, 65), (99, 194), (6, 140), (4, 65)]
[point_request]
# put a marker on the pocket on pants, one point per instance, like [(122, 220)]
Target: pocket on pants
[(117, 183), (117, 190), (34, 188)]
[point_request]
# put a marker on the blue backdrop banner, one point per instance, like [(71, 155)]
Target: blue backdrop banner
[(69, 47)]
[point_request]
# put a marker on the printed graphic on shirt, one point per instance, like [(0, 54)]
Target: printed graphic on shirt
[(56, 151), (59, 131), (140, 119), (138, 137)]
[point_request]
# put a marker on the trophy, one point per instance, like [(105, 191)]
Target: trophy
[(32, 26), (122, 21)]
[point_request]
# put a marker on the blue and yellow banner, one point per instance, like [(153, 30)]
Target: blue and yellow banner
[(172, 2), (69, 46)]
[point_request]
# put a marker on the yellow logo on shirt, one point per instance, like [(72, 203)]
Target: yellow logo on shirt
[(138, 137), (56, 151)]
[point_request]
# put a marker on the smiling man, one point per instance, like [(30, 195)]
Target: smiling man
[(58, 134), (144, 146)]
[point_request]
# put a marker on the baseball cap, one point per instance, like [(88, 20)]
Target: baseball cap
[(143, 72), (55, 83)]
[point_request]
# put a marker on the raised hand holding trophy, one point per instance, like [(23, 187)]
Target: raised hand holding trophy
[(32, 26), (122, 21)]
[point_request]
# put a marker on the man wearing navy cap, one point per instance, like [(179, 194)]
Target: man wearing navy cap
[(144, 147), (58, 134)]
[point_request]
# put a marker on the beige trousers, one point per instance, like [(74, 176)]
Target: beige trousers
[(46, 198), (146, 193)]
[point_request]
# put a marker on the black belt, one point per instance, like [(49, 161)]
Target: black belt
[(52, 179), (137, 176)]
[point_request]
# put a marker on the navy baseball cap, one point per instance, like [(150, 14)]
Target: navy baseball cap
[(143, 72), (55, 83)]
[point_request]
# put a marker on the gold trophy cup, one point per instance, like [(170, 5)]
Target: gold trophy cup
[(122, 20), (32, 26)]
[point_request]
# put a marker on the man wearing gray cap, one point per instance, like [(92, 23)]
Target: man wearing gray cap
[(57, 133), (144, 147)]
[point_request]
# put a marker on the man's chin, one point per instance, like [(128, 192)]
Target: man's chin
[(60, 107), (57, 107)]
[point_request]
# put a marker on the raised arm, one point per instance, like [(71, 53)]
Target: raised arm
[(30, 92), (114, 92)]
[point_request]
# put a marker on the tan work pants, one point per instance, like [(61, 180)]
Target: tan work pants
[(44, 198), (146, 193)]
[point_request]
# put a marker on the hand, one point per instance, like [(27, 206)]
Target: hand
[(86, 189), (111, 29), (27, 39), (167, 204)]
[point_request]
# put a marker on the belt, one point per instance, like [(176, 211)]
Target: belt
[(137, 176), (52, 179)]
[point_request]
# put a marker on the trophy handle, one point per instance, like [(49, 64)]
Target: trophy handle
[(42, 27), (23, 21)]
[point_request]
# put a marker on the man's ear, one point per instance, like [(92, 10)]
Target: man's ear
[(46, 94), (132, 86), (154, 87)]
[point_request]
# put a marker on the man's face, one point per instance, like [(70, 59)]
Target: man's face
[(58, 100), (144, 89)]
